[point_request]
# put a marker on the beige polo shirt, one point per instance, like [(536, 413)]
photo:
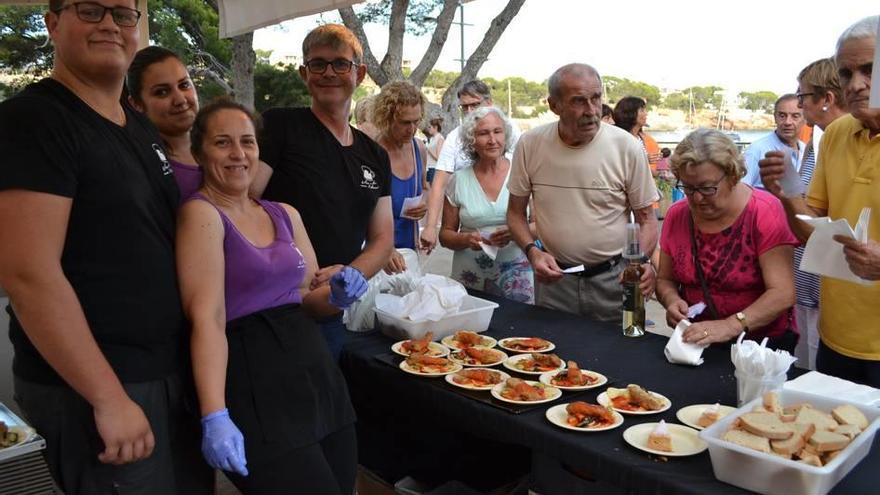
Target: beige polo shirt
[(582, 195)]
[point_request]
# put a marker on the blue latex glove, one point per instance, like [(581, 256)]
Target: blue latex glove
[(223, 443), (347, 286)]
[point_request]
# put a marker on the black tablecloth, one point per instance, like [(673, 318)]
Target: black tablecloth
[(408, 409)]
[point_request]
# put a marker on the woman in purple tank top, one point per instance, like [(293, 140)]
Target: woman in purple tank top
[(273, 401)]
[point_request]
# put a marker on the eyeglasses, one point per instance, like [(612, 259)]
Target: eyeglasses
[(800, 97), (467, 107), (704, 190), (94, 13), (319, 65)]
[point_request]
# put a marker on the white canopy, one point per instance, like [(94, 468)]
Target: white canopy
[(241, 16)]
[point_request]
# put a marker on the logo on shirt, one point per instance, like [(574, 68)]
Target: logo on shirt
[(166, 167), (369, 179)]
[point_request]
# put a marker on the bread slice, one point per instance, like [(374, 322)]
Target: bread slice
[(808, 450), (812, 460), (746, 439), (767, 425), (849, 431), (829, 456), (771, 402), (795, 408), (805, 430), (847, 414), (825, 441), (789, 446), (822, 420)]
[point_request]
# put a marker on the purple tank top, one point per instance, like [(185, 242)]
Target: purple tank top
[(188, 178), (259, 278)]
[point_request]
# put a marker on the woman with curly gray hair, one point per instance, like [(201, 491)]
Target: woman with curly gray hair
[(474, 213)]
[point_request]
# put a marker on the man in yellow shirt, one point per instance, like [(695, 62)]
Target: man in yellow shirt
[(847, 179)]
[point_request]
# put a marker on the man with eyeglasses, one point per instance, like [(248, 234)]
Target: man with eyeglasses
[(789, 118), (87, 221), (335, 175), (472, 95)]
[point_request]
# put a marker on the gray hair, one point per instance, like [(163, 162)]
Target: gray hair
[(575, 69), (864, 28), (469, 126)]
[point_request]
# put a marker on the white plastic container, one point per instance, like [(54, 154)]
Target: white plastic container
[(770, 474), (474, 315)]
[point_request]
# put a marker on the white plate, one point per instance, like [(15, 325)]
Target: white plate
[(405, 367), (690, 414), (501, 358), (559, 416), (551, 393), (545, 379), (485, 341), (510, 363), (25, 434), (434, 349), (685, 440), (449, 379), (503, 344), (603, 400)]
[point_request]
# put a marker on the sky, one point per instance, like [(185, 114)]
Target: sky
[(745, 45)]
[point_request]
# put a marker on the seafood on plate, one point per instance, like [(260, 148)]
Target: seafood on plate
[(634, 398), (478, 356), (480, 378), (418, 346), (464, 338), (518, 390), (573, 376), (539, 363), (527, 344), (429, 364), (584, 415)]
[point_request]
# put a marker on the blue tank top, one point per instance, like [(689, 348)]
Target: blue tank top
[(260, 278), (404, 228)]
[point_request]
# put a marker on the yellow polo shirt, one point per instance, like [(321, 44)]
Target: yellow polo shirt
[(847, 179)]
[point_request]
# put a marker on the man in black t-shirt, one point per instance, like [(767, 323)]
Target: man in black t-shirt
[(87, 220), (338, 178)]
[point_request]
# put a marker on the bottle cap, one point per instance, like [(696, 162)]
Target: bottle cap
[(632, 249)]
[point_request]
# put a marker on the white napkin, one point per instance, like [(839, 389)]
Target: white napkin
[(677, 351), (486, 234), (574, 269), (824, 256), (409, 203), (836, 388), (432, 298), (757, 360)]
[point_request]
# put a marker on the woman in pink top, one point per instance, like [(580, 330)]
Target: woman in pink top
[(741, 240)]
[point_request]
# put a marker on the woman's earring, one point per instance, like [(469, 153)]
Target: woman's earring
[(825, 108)]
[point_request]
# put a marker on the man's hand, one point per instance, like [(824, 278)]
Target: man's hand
[(416, 212), (322, 276), (772, 170), (428, 239), (545, 267), (863, 258), (125, 431), (676, 312), (500, 237), (396, 263)]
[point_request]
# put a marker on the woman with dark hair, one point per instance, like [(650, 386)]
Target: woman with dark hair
[(631, 115), (607, 114), (434, 131), (274, 405), (160, 87)]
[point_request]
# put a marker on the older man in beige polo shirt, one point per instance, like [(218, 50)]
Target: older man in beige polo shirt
[(584, 177)]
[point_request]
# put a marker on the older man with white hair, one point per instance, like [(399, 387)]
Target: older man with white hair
[(846, 180)]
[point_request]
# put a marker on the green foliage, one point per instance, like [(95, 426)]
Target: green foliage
[(522, 94), (278, 86), (22, 36), (191, 29), (759, 100), (440, 79), (617, 88), (420, 15), (702, 97)]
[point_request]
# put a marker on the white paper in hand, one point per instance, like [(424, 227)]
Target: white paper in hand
[(678, 351), (791, 183), (574, 269), (823, 255), (410, 203), (490, 250)]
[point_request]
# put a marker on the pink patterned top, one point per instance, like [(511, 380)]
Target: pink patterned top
[(729, 258)]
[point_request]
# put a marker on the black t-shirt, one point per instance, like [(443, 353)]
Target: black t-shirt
[(119, 251), (334, 187)]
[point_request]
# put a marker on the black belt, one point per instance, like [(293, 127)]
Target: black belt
[(592, 271)]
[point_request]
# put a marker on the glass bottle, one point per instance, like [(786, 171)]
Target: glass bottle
[(633, 321)]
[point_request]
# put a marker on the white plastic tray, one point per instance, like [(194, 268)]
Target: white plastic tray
[(770, 474), (474, 315)]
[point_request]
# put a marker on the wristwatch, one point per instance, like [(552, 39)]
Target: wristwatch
[(742, 319), (529, 247)]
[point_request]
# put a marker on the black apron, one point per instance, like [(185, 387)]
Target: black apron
[(283, 389)]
